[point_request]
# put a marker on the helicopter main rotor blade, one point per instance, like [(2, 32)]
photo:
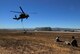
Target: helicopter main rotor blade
[(21, 20), (15, 12), (21, 9)]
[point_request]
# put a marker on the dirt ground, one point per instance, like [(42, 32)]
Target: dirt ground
[(37, 43)]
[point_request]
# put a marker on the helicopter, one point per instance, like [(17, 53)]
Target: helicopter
[(22, 15)]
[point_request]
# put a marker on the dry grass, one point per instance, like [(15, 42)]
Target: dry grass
[(37, 43)]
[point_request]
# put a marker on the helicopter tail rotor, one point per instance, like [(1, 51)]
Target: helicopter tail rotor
[(16, 18)]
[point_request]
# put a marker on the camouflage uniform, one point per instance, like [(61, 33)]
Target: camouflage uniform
[(74, 42)]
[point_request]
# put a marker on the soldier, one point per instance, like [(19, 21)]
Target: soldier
[(57, 39), (74, 42)]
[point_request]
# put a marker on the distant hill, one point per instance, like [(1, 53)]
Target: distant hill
[(41, 29), (66, 29)]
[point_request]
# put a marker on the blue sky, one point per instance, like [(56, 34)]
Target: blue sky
[(50, 13)]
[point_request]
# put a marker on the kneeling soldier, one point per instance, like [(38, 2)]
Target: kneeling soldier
[(74, 42)]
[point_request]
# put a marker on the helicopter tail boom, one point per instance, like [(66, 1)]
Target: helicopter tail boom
[(16, 18)]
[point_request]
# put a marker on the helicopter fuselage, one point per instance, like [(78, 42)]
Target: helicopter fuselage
[(23, 15)]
